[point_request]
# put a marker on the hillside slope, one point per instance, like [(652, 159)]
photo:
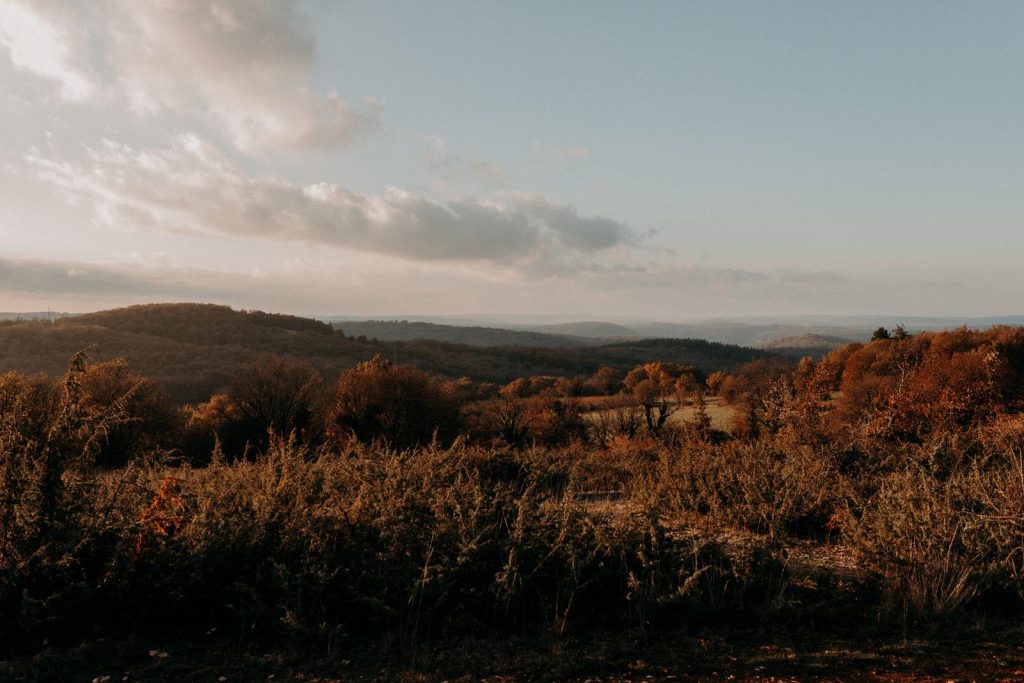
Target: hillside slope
[(404, 330), (194, 350), (813, 345), (592, 329)]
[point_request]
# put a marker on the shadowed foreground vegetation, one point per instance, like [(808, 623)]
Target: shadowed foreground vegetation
[(373, 524)]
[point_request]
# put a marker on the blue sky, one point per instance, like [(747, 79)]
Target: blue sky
[(670, 160)]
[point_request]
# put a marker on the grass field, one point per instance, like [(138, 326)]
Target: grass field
[(721, 413)]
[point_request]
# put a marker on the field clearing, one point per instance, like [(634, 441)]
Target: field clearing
[(720, 412)]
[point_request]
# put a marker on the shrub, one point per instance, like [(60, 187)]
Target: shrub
[(919, 535), (277, 395), (399, 404), (770, 486)]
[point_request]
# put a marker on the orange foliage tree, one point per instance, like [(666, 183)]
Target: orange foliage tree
[(400, 404)]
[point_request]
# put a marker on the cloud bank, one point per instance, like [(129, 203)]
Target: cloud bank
[(391, 287), (91, 280), (241, 71), (243, 66), (191, 187)]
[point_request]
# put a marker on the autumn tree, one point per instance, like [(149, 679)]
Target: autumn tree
[(212, 424), (908, 386), (759, 388), (277, 395), (658, 388), (399, 404), (511, 420), (606, 381), (557, 421), (149, 420)]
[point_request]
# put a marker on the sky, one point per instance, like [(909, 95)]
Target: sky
[(669, 160)]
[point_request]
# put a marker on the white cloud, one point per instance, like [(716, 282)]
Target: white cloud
[(243, 66), (191, 187), (40, 39)]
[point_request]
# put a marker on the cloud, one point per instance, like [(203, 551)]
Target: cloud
[(461, 170), (382, 285), (40, 38), (45, 277), (673, 275), (577, 232), (79, 285), (244, 66), (191, 187)]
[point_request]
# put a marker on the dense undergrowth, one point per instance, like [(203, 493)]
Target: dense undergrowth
[(319, 537)]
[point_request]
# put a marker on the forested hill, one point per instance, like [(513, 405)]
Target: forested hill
[(194, 350), (403, 330), (813, 345)]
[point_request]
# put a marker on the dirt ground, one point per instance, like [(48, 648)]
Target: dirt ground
[(993, 654)]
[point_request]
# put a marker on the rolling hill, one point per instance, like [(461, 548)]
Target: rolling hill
[(591, 329), (404, 330), (194, 350), (813, 345)]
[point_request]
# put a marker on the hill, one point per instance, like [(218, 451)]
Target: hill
[(754, 332), (195, 350), (32, 315), (591, 328), (813, 345), (404, 330)]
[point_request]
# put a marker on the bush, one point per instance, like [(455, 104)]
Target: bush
[(399, 404), (769, 486), (919, 536)]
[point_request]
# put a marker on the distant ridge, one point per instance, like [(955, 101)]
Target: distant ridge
[(195, 350), (589, 328), (403, 330), (33, 315), (813, 345)]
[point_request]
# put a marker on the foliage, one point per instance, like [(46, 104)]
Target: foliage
[(399, 404), (276, 395), (433, 506)]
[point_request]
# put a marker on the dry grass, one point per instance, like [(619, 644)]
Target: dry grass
[(318, 547), (722, 414)]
